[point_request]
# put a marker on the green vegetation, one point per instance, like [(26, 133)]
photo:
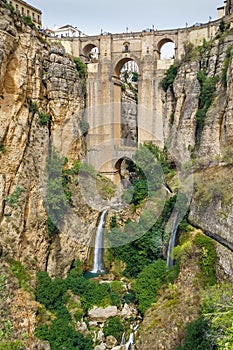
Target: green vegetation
[(149, 167), (223, 27), (33, 107), (10, 7), (149, 281), (28, 21), (2, 148), (58, 194), (208, 259), (44, 119), (206, 97), (213, 329), (134, 77), (12, 199), (80, 67), (61, 335), (15, 345), (17, 270), (227, 62), (54, 295), (149, 247), (113, 327), (168, 80), (117, 287), (196, 336), (217, 310), (123, 87)]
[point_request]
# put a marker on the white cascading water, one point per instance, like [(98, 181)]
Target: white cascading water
[(172, 241), (98, 265), (123, 339), (129, 344)]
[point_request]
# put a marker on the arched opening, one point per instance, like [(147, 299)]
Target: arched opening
[(167, 49), (127, 72), (124, 169), (91, 53)]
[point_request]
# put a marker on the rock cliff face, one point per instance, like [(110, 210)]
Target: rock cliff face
[(211, 149), (128, 118), (210, 160), (37, 80)]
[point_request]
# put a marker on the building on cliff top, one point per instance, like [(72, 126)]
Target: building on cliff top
[(67, 31), (226, 9), (25, 9)]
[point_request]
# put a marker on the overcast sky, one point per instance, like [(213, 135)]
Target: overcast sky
[(113, 16)]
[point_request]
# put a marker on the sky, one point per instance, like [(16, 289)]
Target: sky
[(90, 16)]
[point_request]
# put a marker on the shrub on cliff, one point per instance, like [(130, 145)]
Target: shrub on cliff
[(168, 80), (148, 283), (113, 327), (80, 67)]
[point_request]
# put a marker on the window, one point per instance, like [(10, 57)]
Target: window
[(126, 48)]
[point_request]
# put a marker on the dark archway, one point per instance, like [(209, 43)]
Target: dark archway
[(124, 169), (91, 53)]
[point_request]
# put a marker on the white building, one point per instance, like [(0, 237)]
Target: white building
[(67, 31)]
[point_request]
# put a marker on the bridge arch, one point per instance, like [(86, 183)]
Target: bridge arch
[(119, 63), (165, 42), (90, 49), (122, 170)]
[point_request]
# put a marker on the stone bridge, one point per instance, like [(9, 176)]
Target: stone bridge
[(104, 85)]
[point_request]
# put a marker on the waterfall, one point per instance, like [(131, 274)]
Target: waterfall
[(98, 265), (172, 241), (129, 344), (123, 339)]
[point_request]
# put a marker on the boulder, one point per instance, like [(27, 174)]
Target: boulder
[(110, 342), (126, 311), (102, 314)]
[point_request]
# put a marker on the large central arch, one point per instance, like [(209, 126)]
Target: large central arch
[(119, 124)]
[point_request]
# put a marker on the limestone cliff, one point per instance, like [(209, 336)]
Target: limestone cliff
[(210, 145), (37, 81)]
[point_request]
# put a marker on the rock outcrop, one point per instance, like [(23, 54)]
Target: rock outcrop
[(41, 104), (210, 145)]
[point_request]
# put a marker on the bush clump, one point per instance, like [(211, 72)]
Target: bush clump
[(168, 80), (80, 67), (148, 283), (113, 327)]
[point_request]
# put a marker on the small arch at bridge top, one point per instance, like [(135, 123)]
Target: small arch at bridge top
[(166, 48), (121, 63), (91, 52)]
